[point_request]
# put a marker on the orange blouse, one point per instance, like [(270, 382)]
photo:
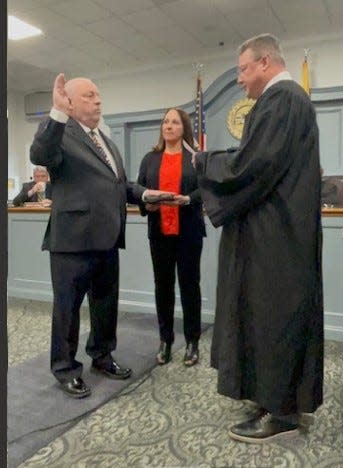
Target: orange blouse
[(170, 181)]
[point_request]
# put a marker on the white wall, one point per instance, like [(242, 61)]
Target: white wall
[(155, 89), (20, 134)]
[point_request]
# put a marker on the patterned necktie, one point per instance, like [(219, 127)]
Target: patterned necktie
[(100, 148)]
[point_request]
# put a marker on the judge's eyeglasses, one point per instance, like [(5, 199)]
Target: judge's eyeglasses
[(243, 68)]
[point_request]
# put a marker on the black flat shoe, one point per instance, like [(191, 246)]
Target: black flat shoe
[(76, 388), (164, 353), (262, 429), (191, 356), (112, 370)]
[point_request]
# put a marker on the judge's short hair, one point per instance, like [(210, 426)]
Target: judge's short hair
[(264, 44)]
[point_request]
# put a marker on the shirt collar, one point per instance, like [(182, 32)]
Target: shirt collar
[(88, 130), (284, 75)]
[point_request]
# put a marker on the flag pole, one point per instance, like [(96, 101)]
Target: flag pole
[(305, 75), (199, 118)]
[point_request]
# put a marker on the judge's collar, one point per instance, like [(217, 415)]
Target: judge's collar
[(284, 75)]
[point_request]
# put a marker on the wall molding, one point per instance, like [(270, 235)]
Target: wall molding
[(333, 93), (333, 328)]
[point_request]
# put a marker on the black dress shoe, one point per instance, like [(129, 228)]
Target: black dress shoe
[(191, 356), (262, 429), (112, 370), (164, 353), (76, 388)]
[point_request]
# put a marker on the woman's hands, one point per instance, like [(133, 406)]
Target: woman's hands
[(179, 200)]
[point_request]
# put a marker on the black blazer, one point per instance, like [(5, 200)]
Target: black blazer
[(88, 201), (23, 197), (192, 225)]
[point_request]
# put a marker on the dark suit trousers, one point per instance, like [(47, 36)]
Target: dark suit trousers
[(73, 276), (168, 253)]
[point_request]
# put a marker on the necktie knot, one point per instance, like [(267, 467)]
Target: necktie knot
[(94, 137), (96, 141)]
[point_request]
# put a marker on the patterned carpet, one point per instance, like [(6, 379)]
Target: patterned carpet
[(175, 418)]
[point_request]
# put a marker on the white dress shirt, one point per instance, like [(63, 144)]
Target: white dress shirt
[(284, 75)]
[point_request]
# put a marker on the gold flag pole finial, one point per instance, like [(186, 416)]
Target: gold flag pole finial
[(198, 67)]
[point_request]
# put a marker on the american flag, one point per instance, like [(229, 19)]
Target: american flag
[(199, 120)]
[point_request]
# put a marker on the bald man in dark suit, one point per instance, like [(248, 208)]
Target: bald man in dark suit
[(85, 230)]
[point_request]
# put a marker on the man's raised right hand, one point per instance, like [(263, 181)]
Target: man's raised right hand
[(60, 99)]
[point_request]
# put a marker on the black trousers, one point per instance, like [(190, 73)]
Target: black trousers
[(73, 276), (168, 253)]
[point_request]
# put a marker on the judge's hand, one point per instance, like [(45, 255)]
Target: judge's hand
[(60, 98), (179, 200)]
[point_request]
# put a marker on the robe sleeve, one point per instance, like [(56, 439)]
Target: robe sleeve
[(232, 183)]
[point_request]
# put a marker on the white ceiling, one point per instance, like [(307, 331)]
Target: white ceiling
[(102, 38)]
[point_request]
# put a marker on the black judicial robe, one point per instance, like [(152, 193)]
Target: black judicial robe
[(268, 332)]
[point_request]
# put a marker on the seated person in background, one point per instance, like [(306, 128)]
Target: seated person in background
[(332, 190), (38, 190)]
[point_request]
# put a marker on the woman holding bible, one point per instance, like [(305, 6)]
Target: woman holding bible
[(175, 229)]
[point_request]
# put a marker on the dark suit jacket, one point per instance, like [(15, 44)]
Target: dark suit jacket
[(23, 197), (192, 224), (88, 201)]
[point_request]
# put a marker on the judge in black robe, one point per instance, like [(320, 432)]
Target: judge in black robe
[(268, 332)]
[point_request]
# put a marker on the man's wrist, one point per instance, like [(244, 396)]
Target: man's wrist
[(58, 115)]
